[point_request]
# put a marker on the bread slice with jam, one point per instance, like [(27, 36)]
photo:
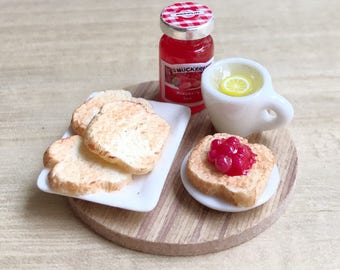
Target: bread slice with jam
[(240, 190)]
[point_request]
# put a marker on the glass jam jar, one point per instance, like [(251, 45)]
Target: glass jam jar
[(185, 50)]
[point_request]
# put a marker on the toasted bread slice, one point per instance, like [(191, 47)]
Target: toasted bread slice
[(83, 115), (75, 170), (129, 134), (243, 190)]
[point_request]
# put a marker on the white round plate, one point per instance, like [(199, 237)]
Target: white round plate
[(220, 205)]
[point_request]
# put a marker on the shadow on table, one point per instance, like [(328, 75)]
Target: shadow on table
[(47, 209)]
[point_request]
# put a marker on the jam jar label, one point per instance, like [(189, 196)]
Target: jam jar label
[(181, 83)]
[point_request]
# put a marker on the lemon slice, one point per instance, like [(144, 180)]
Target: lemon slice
[(236, 85)]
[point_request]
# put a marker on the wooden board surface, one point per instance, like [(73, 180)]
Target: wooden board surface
[(179, 225)]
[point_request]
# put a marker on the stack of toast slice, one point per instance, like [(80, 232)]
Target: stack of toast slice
[(116, 136)]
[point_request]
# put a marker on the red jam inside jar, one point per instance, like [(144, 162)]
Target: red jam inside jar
[(185, 50)]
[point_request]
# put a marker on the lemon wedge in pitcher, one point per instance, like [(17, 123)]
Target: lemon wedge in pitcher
[(236, 85)]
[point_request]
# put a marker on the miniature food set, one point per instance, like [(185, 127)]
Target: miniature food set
[(161, 164)]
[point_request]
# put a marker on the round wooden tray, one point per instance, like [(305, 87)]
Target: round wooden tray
[(179, 225)]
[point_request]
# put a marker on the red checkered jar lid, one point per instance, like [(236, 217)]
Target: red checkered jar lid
[(187, 21)]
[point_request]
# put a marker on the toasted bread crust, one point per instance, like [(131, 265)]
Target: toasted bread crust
[(129, 134), (83, 115), (58, 151), (76, 171), (242, 190)]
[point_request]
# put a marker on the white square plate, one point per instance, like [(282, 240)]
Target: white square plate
[(143, 193)]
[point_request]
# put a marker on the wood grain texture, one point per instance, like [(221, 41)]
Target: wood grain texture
[(179, 225)]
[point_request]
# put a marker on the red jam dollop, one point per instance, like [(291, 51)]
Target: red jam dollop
[(230, 156)]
